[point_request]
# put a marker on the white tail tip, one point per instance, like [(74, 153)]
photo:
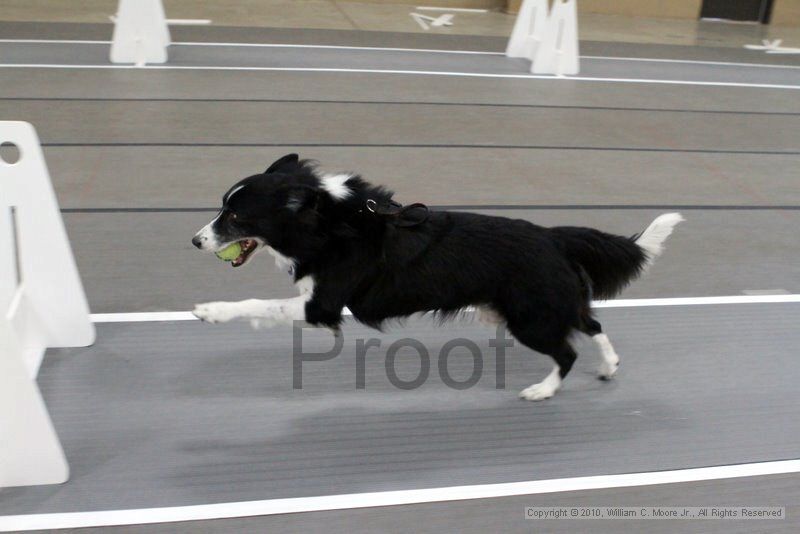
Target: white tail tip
[(652, 239)]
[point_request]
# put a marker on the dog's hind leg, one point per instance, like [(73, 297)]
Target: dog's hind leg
[(561, 351), (610, 361)]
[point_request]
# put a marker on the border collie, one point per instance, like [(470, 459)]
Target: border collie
[(347, 243)]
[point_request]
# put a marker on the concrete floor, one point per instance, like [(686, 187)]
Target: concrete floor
[(482, 515), (175, 414), (388, 17), (130, 158)]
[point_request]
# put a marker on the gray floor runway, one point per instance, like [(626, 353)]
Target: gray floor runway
[(165, 414), (174, 414), (277, 58)]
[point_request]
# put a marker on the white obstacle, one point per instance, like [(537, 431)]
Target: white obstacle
[(549, 40), (141, 33), (558, 52), (42, 304), (528, 29)]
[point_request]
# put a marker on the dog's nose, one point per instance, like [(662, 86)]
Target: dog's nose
[(196, 241)]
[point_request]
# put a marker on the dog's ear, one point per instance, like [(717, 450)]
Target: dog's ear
[(301, 197), (289, 160)]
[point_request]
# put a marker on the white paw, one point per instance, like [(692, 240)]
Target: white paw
[(610, 361), (608, 369), (537, 392), (215, 312)]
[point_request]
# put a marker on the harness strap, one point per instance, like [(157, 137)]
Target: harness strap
[(399, 215)]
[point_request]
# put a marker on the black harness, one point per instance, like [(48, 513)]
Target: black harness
[(398, 215)]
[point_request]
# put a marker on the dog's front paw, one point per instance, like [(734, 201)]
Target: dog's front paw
[(608, 369), (215, 312), (537, 392)]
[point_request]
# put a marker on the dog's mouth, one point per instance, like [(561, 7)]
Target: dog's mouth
[(248, 246)]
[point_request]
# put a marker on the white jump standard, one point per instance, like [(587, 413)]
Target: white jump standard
[(42, 304), (548, 39)]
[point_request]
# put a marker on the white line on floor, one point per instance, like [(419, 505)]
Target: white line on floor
[(145, 317), (412, 72), (453, 9), (765, 292), (693, 62), (387, 498), (338, 47), (142, 317), (173, 22), (694, 301), (51, 41), (271, 45), (188, 22), (394, 49)]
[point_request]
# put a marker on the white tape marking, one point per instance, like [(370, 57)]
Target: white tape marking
[(694, 62), (270, 45), (386, 498), (765, 292), (454, 9), (420, 20), (342, 47), (773, 47), (414, 72), (188, 22), (694, 301), (52, 41), (144, 317), (170, 22)]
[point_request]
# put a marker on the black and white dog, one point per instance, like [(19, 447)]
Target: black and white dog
[(348, 244)]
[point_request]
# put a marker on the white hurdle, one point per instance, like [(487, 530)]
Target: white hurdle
[(141, 34), (549, 38), (42, 304), (528, 29)]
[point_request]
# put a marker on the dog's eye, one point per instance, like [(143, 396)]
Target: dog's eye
[(232, 216)]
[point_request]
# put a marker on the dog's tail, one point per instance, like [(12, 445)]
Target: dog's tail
[(611, 262)]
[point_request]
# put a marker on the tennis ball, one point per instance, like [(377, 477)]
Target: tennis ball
[(230, 253)]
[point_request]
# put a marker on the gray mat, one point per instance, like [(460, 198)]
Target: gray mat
[(196, 177), (507, 514), (162, 414), (175, 414), (143, 84), (232, 34), (302, 123), (235, 56)]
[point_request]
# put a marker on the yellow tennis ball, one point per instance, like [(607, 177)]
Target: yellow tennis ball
[(230, 253)]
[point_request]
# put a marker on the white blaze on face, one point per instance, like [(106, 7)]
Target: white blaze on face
[(233, 192), (209, 240), (207, 237)]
